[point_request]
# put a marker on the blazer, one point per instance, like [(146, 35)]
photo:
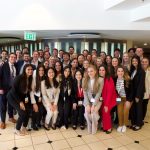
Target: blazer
[(49, 95), (138, 85), (5, 77), (128, 90), (75, 90), (16, 91), (68, 97), (88, 93), (109, 94), (147, 84), (19, 65)]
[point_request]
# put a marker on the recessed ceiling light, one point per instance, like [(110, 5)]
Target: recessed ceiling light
[(145, 44)]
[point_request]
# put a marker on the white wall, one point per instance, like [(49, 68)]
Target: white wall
[(64, 14)]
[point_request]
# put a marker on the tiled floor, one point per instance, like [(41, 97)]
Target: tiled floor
[(69, 139)]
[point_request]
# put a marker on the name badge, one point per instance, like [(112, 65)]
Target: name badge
[(118, 99), (26, 100), (92, 100), (80, 103), (40, 99), (101, 99)]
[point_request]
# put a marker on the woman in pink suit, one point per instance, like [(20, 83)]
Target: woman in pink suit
[(109, 98)]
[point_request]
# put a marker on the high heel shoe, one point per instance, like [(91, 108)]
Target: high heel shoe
[(46, 127)]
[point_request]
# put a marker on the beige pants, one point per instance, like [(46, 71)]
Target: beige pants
[(123, 112)]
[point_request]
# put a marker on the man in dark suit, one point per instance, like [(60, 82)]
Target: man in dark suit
[(7, 74), (21, 63)]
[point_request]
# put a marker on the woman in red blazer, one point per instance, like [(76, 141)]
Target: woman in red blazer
[(109, 98)]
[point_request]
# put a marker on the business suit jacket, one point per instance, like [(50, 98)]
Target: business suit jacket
[(128, 90), (5, 77), (47, 94), (147, 84), (109, 93), (138, 85), (88, 92), (19, 65), (16, 93)]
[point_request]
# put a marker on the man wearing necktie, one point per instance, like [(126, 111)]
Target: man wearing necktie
[(7, 75)]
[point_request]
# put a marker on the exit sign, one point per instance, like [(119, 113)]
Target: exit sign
[(30, 36)]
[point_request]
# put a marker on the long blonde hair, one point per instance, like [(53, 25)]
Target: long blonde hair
[(87, 78)]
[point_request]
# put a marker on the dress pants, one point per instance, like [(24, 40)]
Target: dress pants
[(78, 114), (37, 116), (3, 108), (144, 103), (64, 113), (50, 115), (92, 119), (137, 113), (23, 114)]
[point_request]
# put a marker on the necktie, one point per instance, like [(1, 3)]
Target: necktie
[(12, 71)]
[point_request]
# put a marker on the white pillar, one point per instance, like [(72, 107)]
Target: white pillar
[(124, 47), (112, 49), (106, 47), (94, 45), (40, 45)]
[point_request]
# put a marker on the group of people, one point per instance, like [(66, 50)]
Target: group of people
[(65, 89)]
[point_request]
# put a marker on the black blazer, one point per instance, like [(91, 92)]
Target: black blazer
[(68, 98), (138, 85), (127, 90), (5, 77), (16, 91), (75, 90)]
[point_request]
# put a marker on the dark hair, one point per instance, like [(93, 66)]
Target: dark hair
[(38, 78), (58, 61), (80, 55), (107, 74), (139, 64), (4, 51), (66, 53), (24, 85), (12, 54), (64, 79), (76, 82), (78, 70), (103, 52), (26, 53), (55, 49), (55, 83), (71, 47), (131, 49), (117, 49)]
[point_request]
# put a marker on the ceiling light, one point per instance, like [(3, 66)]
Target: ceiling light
[(145, 44)]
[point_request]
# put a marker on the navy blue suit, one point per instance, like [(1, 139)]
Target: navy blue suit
[(5, 84)]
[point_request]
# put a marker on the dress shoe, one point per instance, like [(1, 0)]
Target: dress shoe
[(82, 127), (74, 127), (108, 131), (46, 127), (12, 120), (35, 128), (2, 125), (136, 128), (53, 127)]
